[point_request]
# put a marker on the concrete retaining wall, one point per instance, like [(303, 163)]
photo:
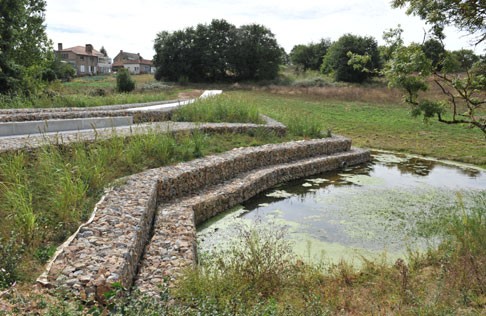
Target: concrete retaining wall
[(109, 248)]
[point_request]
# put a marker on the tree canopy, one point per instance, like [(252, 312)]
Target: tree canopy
[(217, 52), (337, 59), (414, 67), (467, 15), (309, 56), (24, 45)]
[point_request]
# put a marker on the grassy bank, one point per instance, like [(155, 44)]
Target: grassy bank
[(93, 91), (46, 194), (374, 124)]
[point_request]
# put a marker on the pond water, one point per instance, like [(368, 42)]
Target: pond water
[(390, 204)]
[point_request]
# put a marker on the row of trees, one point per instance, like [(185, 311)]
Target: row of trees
[(218, 51), (355, 58)]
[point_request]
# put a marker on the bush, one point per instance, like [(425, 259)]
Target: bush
[(124, 82)]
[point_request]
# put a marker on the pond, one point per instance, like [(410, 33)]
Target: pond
[(393, 203)]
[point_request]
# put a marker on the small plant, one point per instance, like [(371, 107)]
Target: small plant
[(124, 82), (305, 126), (11, 251)]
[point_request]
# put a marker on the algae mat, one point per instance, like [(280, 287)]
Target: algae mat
[(394, 203)]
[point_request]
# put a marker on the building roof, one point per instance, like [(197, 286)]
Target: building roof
[(81, 50), (133, 62), (129, 56)]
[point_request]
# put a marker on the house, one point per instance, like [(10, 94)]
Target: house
[(133, 62), (85, 59)]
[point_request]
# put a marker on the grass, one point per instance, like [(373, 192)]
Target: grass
[(93, 91), (223, 108), (45, 194), (377, 125)]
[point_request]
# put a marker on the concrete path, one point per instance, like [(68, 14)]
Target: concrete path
[(206, 94), (63, 125)]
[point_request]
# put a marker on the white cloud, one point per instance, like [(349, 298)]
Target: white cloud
[(132, 26)]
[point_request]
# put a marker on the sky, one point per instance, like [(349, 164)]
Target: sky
[(132, 26)]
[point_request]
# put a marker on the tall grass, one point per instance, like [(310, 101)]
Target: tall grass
[(222, 108), (46, 194)]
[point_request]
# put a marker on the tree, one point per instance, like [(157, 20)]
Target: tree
[(257, 55), (435, 51), (465, 58), (309, 56), (57, 69), (413, 70), (23, 45), (214, 43), (467, 15), (217, 52), (175, 55), (103, 51), (337, 59)]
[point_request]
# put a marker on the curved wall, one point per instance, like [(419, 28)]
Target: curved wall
[(156, 212)]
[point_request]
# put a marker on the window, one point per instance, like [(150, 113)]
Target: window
[(81, 57), (64, 55), (81, 68)]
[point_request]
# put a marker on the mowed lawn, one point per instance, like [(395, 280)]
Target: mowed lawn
[(376, 125)]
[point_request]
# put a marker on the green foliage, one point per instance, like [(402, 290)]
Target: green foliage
[(465, 15), (56, 69), (309, 56), (245, 276), (305, 126), (257, 55), (124, 82), (466, 59), (221, 108), (23, 45), (408, 69), (337, 59), (393, 40), (11, 251), (435, 52), (217, 52)]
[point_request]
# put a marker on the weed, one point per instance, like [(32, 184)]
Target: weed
[(221, 108), (11, 251)]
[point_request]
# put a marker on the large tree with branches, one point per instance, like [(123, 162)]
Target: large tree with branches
[(412, 70)]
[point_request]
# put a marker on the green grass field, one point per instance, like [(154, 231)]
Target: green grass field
[(376, 125)]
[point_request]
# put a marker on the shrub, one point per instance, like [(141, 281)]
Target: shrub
[(124, 82), (11, 253)]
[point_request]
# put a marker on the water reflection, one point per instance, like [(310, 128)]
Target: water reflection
[(382, 205)]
